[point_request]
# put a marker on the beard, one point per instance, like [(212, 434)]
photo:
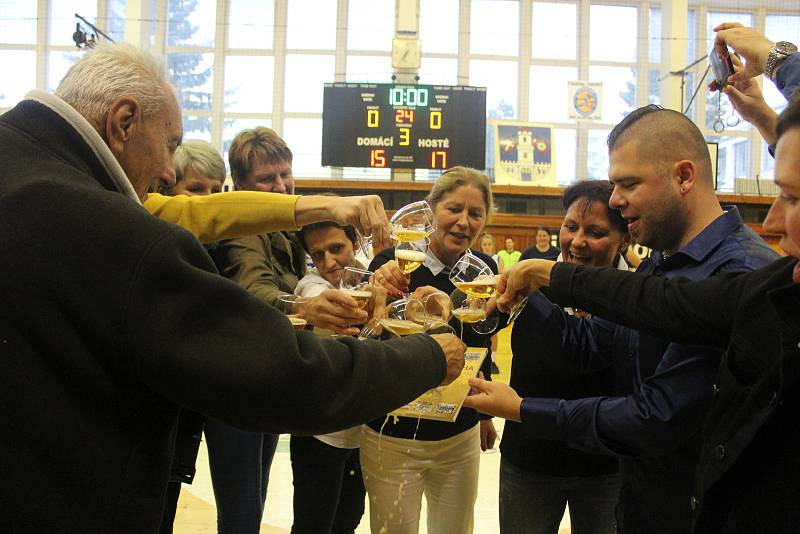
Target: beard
[(664, 228)]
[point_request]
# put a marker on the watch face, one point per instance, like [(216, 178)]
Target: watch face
[(785, 47)]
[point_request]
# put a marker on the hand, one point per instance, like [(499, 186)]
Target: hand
[(488, 434), (392, 278), (377, 304), (436, 302), (748, 101), (454, 350), (494, 398), (335, 311), (520, 280), (748, 43), (366, 214)]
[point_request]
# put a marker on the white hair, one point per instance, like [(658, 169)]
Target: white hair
[(110, 72), (200, 156)]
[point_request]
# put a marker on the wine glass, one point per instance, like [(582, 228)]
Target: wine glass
[(354, 282), (475, 279), (375, 330), (365, 245), (294, 307), (412, 222), (516, 310), (409, 316), (434, 308), (410, 255)]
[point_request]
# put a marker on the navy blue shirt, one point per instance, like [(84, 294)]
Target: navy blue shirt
[(662, 389)]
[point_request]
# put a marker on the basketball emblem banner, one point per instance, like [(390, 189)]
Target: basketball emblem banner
[(585, 100)]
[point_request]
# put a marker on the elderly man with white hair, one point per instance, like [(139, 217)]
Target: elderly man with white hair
[(97, 350)]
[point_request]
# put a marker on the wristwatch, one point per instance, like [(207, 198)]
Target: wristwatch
[(780, 51)]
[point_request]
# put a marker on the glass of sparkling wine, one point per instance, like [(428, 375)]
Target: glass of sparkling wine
[(294, 307), (467, 309), (474, 278), (354, 283), (409, 255), (412, 222)]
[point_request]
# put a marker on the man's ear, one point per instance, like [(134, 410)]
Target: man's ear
[(121, 123), (685, 171)]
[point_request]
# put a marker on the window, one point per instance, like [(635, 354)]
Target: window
[(304, 137), (22, 63), (554, 41), (275, 59), (305, 79), (548, 93), (494, 27), (500, 80), (251, 24), (374, 69), (619, 91), (307, 31), (62, 19), (18, 22), (435, 71), (57, 67), (438, 26), (191, 23), (370, 25), (248, 84), (597, 158), (612, 33), (193, 75)]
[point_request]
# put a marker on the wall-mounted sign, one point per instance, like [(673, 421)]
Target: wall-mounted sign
[(585, 99), (523, 153)]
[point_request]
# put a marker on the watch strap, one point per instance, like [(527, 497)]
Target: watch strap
[(780, 51)]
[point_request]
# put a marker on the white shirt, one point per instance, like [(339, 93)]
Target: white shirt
[(312, 285)]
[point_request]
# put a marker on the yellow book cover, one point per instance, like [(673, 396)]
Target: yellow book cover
[(444, 403)]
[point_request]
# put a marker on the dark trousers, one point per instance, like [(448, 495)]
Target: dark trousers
[(328, 489), (173, 492), (534, 504), (239, 462)]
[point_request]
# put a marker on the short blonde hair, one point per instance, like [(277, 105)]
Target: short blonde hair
[(456, 177), (110, 72), (253, 145), (201, 157)]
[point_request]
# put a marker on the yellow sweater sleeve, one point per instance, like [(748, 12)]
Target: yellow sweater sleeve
[(226, 215)]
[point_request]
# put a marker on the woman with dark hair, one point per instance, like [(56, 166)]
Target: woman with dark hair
[(539, 478), (542, 249), (326, 472)]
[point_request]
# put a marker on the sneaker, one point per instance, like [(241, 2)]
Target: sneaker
[(495, 369)]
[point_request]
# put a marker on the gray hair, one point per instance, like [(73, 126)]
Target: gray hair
[(110, 72), (200, 156)]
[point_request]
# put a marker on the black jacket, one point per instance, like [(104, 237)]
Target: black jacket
[(100, 344), (748, 477)]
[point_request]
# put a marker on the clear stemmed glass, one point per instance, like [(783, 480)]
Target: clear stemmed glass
[(294, 307), (365, 244), (475, 279), (354, 283), (516, 310), (472, 311), (410, 255), (412, 222)]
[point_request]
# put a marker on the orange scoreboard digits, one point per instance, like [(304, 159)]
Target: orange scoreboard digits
[(403, 126)]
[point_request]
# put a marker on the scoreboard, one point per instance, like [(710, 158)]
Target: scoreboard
[(403, 126)]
